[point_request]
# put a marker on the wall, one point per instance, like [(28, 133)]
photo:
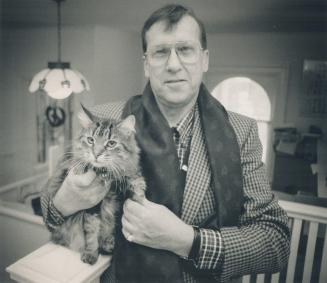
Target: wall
[(1, 41), (95, 51), (111, 60), (273, 50), (118, 62)]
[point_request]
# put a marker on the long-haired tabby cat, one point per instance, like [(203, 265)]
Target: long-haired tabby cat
[(109, 148)]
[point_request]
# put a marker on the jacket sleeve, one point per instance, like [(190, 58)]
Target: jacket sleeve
[(51, 215), (260, 241)]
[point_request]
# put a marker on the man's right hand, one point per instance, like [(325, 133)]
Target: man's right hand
[(78, 192)]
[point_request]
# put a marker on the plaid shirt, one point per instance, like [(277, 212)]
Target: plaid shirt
[(182, 135), (260, 241), (211, 243)]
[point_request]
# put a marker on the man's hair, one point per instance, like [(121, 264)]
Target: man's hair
[(171, 14)]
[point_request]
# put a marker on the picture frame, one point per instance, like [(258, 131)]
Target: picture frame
[(314, 82)]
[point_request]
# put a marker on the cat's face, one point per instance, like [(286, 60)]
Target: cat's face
[(106, 143)]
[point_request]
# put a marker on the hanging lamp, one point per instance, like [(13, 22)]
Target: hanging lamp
[(59, 80)]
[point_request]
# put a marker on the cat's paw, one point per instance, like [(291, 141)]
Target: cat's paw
[(90, 258), (107, 246), (138, 188)]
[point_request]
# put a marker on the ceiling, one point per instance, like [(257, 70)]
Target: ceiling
[(217, 15)]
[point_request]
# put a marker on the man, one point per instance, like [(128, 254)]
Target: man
[(209, 214)]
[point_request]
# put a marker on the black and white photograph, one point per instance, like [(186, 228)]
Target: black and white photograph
[(156, 141)]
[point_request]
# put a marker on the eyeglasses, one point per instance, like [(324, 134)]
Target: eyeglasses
[(187, 52)]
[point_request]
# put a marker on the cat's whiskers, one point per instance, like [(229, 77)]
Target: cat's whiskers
[(69, 163), (75, 166), (119, 176), (69, 157), (123, 183), (68, 152), (114, 171), (76, 161), (78, 166)]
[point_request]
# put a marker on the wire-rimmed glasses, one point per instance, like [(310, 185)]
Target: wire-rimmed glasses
[(188, 52)]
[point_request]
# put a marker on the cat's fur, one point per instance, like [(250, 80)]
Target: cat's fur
[(109, 148)]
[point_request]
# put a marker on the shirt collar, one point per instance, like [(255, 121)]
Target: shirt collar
[(184, 126)]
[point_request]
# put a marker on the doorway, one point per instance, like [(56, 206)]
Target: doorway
[(273, 80)]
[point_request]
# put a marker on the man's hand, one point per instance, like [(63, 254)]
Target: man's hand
[(78, 192), (155, 226)]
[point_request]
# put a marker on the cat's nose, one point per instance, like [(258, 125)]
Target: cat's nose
[(97, 154)]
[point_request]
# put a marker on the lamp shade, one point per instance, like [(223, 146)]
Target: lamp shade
[(59, 82)]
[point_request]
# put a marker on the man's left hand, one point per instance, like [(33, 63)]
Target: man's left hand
[(154, 225)]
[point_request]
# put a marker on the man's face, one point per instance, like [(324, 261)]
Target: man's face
[(175, 83)]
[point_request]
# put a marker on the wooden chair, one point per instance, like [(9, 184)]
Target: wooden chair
[(308, 257)]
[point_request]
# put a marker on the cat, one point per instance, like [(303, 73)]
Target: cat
[(110, 149)]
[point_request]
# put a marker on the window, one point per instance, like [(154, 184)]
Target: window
[(245, 96)]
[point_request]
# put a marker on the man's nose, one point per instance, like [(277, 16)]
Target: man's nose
[(173, 63)]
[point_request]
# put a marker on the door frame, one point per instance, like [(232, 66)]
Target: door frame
[(278, 105)]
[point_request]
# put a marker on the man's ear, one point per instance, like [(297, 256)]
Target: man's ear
[(145, 67), (85, 117), (205, 61), (128, 123)]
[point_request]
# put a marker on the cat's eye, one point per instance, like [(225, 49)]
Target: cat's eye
[(110, 143), (90, 140)]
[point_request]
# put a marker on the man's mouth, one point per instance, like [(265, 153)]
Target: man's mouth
[(174, 81)]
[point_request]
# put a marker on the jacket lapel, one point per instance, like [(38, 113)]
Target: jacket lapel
[(224, 158), (214, 158)]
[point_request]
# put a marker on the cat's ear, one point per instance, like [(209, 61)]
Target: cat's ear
[(128, 123), (86, 118)]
